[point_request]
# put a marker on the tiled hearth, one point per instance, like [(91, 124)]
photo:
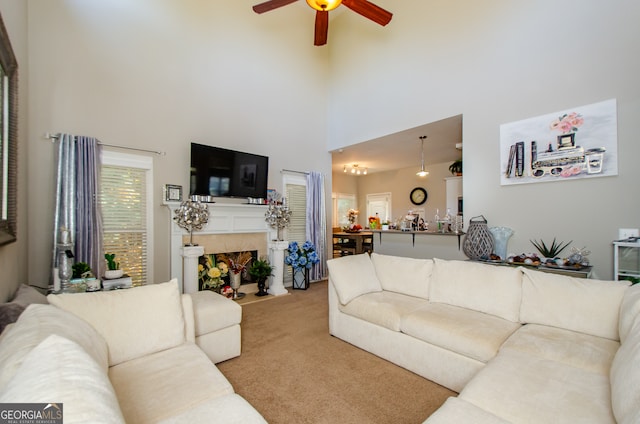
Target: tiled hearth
[(231, 228)]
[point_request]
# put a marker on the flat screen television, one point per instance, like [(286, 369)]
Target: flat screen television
[(222, 172)]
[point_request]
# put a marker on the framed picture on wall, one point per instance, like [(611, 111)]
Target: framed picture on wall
[(580, 142), (172, 193)]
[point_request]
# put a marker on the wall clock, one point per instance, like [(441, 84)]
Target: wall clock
[(418, 196)]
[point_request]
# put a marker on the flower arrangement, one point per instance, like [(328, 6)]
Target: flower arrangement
[(301, 257), (352, 227), (237, 262), (352, 215), (568, 123), (211, 274)]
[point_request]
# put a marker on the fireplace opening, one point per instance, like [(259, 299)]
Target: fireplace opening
[(238, 257)]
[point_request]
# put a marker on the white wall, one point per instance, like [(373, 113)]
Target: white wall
[(159, 74), (495, 62), (13, 257)]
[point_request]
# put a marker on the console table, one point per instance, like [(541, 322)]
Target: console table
[(584, 272)]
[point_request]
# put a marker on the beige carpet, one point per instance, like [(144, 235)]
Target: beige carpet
[(293, 371)]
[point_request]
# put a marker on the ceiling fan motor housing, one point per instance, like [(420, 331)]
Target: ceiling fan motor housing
[(324, 5)]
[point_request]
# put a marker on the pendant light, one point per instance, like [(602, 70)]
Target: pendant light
[(422, 172)]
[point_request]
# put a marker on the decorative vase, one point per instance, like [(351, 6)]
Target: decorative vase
[(478, 242), (501, 236), (234, 282), (261, 287), (301, 278)]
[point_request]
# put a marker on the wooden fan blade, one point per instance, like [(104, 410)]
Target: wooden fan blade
[(271, 4), (369, 11), (322, 28)]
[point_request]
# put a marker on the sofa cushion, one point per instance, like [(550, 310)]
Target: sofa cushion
[(456, 410), (591, 353), (26, 295), (23, 297), (9, 313), (470, 333), (520, 387), (353, 276), (134, 322), (59, 370), (629, 310), (37, 323), (491, 289), (403, 275), (625, 378), (383, 308), (586, 305), (228, 409), (214, 312), (167, 383)]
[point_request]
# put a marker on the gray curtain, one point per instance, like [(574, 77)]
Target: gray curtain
[(77, 206), (316, 230)]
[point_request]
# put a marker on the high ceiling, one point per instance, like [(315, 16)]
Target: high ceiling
[(402, 149)]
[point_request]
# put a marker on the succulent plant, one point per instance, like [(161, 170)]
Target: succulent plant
[(551, 251), (111, 261)]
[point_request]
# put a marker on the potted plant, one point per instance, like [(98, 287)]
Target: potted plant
[(81, 270), (260, 270), (456, 167), (552, 251), (113, 267), (84, 278)]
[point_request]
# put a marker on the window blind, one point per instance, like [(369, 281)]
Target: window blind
[(297, 201), (123, 200)]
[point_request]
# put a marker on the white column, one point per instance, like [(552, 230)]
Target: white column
[(190, 255), (276, 258)]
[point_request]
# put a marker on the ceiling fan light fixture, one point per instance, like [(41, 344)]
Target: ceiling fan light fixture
[(324, 5), (422, 172)]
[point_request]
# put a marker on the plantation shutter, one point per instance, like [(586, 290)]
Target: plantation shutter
[(124, 211), (297, 200)]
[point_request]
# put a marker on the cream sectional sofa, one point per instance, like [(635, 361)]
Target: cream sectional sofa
[(126, 356), (519, 345)]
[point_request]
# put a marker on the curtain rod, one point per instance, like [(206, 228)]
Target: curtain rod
[(295, 172), (54, 137)]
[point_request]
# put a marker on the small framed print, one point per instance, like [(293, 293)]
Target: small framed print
[(172, 193)]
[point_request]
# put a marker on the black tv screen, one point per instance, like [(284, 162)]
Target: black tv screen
[(222, 172)]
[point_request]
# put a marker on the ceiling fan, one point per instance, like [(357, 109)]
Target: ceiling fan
[(322, 7)]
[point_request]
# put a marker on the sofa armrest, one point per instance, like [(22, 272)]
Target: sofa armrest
[(189, 323)]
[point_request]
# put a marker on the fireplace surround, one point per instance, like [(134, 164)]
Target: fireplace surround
[(231, 228)]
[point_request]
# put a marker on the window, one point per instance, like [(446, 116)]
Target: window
[(379, 203), (341, 205), (126, 199), (8, 138), (295, 188)]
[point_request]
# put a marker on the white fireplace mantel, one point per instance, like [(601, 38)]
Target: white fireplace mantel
[(224, 218)]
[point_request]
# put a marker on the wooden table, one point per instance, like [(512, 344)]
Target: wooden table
[(354, 243)]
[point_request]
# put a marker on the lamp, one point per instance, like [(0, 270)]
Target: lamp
[(422, 172), (324, 5), (355, 169)]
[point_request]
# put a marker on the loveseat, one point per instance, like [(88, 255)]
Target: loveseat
[(126, 356), (517, 344)]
